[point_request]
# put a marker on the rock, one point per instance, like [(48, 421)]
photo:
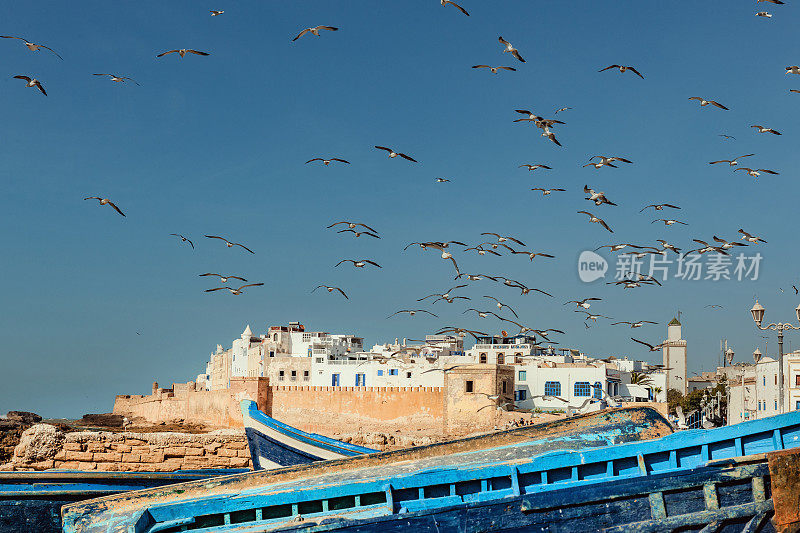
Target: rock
[(38, 443), (107, 420), (24, 416)]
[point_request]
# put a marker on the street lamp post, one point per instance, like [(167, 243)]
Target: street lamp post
[(758, 316), (756, 359)]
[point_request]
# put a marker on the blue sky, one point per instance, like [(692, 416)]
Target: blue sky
[(217, 144)]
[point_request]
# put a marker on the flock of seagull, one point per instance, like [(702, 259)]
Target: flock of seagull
[(490, 243)]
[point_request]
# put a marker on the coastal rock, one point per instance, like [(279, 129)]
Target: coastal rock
[(39, 443), (24, 416), (106, 420)]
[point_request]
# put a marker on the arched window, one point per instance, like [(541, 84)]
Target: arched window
[(582, 388), (598, 390), (501, 358), (482, 358), (552, 388), (275, 337)]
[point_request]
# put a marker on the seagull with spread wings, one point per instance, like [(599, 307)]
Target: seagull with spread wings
[(500, 238), (599, 198), (605, 161), (215, 13), (757, 172), (183, 51), (353, 225), (622, 69), (105, 201), (732, 162), (118, 79), (532, 255), (597, 220), (314, 31), (222, 277), (750, 238), (412, 312), (32, 82), (794, 69), (445, 2), (331, 289), (546, 192), (393, 154), (237, 291), (361, 263), (358, 233), (535, 166), (327, 162), (668, 221), (501, 305), (659, 207), (230, 244), (583, 303), (494, 70), (763, 129), (445, 294), (592, 317), (184, 239), (510, 48), (33, 47), (704, 102), (636, 324), (652, 348)]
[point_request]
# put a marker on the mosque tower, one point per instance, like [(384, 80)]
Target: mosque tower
[(675, 358)]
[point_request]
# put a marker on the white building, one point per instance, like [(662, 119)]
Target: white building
[(759, 397)]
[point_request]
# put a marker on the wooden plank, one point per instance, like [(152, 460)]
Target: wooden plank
[(755, 523), (711, 496), (701, 518), (657, 507), (759, 490), (713, 527), (784, 469)]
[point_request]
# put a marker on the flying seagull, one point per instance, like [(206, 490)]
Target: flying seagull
[(327, 162), (223, 278), (215, 13), (622, 68), (482, 314), (531, 255), (183, 51), (550, 135), (704, 102), (33, 47), (762, 129), (360, 263), (534, 167), (732, 162), (655, 348), (118, 79), (557, 111), (331, 289), (32, 82), (184, 239), (504, 239), (757, 172), (714, 306), (637, 324), (659, 207), (501, 305), (794, 69), (669, 222), (727, 244), (393, 154), (412, 312), (105, 201), (314, 31), (763, 14), (445, 295), (442, 180), (235, 292), (599, 198), (727, 137), (546, 192), (509, 48), (353, 225), (750, 238), (445, 2), (229, 243), (590, 316), (358, 233), (597, 220), (495, 69), (605, 161), (583, 303)]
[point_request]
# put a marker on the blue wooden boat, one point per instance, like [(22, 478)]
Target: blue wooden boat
[(31, 501), (380, 485), (274, 444)]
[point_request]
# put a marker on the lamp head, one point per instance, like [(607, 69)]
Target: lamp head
[(758, 313)]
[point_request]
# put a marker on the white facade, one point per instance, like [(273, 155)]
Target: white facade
[(674, 351), (759, 398)]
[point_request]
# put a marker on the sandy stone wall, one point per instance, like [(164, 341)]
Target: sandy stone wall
[(331, 410), (44, 446)]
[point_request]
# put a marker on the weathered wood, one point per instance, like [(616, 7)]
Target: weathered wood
[(784, 470)]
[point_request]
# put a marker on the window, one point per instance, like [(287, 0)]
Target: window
[(523, 374), (272, 353), (759, 406), (597, 390), (552, 388), (776, 405), (393, 371), (275, 337), (335, 380), (380, 372), (517, 357), (522, 395), (501, 358), (280, 375), (797, 380), (776, 379), (306, 377), (361, 380), (468, 387), (408, 375), (482, 358), (294, 376), (797, 405), (505, 386), (765, 380), (582, 388)]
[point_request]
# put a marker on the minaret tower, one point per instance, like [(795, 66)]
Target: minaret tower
[(675, 358)]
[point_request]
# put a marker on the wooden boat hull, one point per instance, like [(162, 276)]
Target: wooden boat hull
[(162, 508), (30, 502), (274, 444)]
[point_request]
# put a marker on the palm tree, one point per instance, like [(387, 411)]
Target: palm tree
[(640, 378)]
